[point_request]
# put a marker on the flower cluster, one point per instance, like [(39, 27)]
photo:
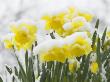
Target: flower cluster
[(67, 48), (68, 22), (75, 45)]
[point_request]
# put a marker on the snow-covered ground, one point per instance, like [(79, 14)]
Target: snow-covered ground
[(13, 10)]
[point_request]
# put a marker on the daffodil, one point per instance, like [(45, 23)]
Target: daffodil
[(80, 47), (8, 43), (59, 54), (55, 54), (73, 64), (7, 40), (54, 22), (24, 35), (73, 26), (51, 50), (94, 67), (78, 24)]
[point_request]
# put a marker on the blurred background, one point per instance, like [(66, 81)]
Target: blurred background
[(13, 10)]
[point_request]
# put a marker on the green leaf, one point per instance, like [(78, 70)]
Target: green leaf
[(38, 67), (23, 74), (16, 71), (99, 55), (97, 24), (26, 61), (98, 46), (103, 36), (86, 68), (30, 71), (83, 71), (43, 75), (1, 79), (9, 69), (94, 39)]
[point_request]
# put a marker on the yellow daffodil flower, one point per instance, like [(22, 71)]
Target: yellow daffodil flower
[(80, 47), (72, 67), (73, 27), (55, 22), (94, 67), (55, 54), (73, 64), (24, 35), (8, 44)]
